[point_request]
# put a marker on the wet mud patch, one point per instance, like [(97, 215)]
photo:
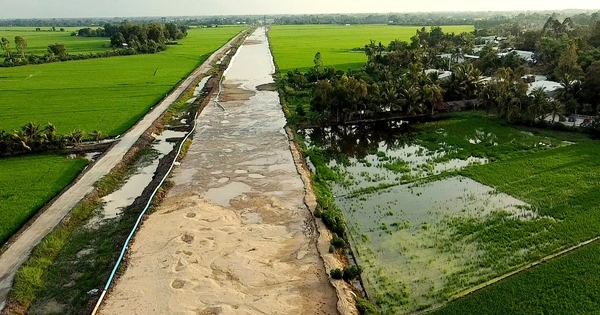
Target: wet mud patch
[(235, 93), (211, 311), (187, 238), (252, 42), (272, 87), (178, 284), (262, 209)]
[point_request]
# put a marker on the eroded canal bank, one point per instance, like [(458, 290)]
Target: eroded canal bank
[(234, 235)]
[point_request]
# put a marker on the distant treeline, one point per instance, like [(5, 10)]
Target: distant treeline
[(479, 19), (200, 21), (126, 38)]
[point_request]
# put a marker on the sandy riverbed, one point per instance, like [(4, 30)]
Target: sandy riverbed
[(233, 236)]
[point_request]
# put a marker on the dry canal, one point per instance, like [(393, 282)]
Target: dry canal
[(233, 236)]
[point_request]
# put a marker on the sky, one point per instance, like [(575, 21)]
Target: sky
[(12, 9)]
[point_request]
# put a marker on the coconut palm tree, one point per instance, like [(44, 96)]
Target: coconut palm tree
[(488, 97), (433, 94), (389, 96), (538, 104), (75, 137), (557, 108), (97, 135), (411, 99), (569, 88)]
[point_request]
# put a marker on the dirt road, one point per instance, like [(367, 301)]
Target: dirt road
[(234, 235), (18, 252)]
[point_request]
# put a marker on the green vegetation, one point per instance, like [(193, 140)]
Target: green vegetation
[(426, 235), (567, 285), (37, 42), (31, 278), (27, 183), (560, 184), (295, 45), (108, 94)]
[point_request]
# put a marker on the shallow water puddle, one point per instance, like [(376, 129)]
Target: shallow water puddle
[(115, 202)]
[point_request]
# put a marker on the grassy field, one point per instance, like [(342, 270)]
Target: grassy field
[(27, 183), (423, 235), (37, 42), (294, 46), (567, 285), (108, 94)]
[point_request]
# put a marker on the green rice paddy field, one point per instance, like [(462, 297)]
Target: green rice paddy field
[(462, 200), (294, 46), (27, 183), (108, 94), (37, 42)]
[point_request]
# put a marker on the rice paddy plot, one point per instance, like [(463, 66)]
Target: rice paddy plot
[(422, 230), (294, 46), (107, 94), (27, 183), (38, 41), (566, 285)]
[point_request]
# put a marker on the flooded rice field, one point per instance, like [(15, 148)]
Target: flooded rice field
[(411, 214)]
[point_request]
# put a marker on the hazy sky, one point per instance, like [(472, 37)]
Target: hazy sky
[(131, 8)]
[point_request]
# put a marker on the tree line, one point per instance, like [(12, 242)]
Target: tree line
[(394, 80), (126, 38), (32, 138)]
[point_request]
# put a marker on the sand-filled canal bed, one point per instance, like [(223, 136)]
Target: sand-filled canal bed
[(233, 235)]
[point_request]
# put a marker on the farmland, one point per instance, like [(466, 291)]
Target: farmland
[(108, 94), (567, 285), (440, 209), (37, 42), (295, 46), (27, 183)]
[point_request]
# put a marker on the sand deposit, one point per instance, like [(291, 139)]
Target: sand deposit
[(234, 235)]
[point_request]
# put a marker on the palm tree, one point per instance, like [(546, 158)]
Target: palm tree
[(97, 135), (508, 105), (389, 95), (74, 138), (433, 94), (488, 97), (538, 103), (569, 88), (468, 80), (411, 99), (557, 108), (31, 131)]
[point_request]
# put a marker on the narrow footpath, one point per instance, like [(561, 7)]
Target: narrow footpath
[(18, 252), (233, 236)]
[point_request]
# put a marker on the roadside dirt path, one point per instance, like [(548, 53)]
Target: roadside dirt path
[(18, 252), (233, 236)]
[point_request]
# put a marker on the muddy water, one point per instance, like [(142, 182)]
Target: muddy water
[(404, 235), (115, 202), (233, 236)]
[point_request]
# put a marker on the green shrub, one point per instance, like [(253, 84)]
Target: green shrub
[(351, 272), (337, 274), (365, 307), (338, 242)]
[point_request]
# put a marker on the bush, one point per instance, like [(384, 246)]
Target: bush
[(336, 274), (331, 249), (338, 242), (351, 272), (365, 307)]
